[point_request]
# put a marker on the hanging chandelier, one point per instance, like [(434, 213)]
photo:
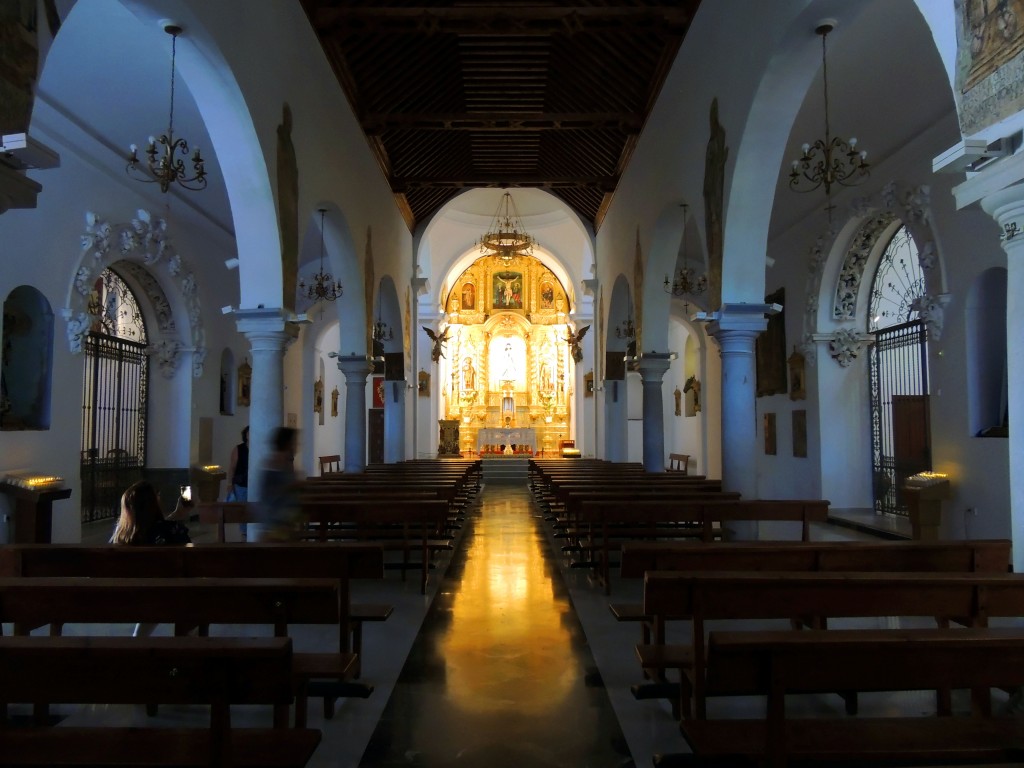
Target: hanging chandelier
[(830, 160), (507, 237), (163, 165), (323, 287), (686, 281)]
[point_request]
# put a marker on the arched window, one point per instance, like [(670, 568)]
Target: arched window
[(900, 426)]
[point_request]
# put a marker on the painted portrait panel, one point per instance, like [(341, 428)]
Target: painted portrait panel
[(508, 290), (547, 295), (468, 296)]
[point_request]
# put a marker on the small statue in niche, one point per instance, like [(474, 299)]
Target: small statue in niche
[(334, 402), (679, 401), (693, 385), (318, 396)]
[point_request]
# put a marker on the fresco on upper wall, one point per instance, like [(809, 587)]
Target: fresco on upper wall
[(990, 61)]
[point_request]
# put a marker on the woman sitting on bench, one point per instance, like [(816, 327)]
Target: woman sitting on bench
[(142, 523)]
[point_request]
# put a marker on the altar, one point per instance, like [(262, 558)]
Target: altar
[(521, 437)]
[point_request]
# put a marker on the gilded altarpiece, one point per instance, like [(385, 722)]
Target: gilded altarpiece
[(508, 368)]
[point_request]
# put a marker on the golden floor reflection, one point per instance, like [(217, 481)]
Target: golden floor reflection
[(506, 631), (500, 674)]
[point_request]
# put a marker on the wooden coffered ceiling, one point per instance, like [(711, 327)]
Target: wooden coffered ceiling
[(466, 93)]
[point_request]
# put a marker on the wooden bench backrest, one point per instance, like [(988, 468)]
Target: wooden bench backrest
[(769, 595), (838, 660), (291, 560), (986, 556), (188, 602), (158, 670), (373, 511)]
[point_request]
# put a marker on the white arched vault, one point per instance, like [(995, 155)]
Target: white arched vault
[(245, 163)]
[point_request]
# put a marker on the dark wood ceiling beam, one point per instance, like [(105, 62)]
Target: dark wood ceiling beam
[(495, 20), (627, 122)]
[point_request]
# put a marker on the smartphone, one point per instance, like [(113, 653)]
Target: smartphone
[(186, 492)]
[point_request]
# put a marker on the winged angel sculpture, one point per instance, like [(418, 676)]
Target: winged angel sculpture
[(438, 340), (575, 339)]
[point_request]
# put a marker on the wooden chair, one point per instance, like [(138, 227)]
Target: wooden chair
[(330, 464), (678, 462)]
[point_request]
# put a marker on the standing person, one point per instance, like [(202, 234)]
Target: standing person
[(238, 470), (238, 474), (142, 523), (278, 511)]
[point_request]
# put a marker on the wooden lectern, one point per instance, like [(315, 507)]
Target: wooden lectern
[(924, 493), (33, 498)]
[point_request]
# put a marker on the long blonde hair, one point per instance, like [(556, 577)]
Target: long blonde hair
[(140, 511)]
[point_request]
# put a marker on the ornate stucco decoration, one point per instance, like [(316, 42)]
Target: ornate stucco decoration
[(912, 206), (846, 344), (932, 310), (138, 247), (852, 273)]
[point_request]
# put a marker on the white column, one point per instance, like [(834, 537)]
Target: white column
[(356, 369), (267, 332), (1007, 208), (736, 329), (395, 393), (652, 370)]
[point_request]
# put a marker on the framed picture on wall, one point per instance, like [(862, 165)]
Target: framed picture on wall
[(769, 434), (800, 434), (378, 391), (770, 349)]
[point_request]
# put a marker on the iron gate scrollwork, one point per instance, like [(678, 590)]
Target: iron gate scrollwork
[(114, 399), (900, 422)]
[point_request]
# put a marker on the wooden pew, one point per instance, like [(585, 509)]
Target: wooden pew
[(809, 598), (776, 664), (613, 523), (343, 562), (399, 524), (968, 556), (216, 672), (405, 526), (187, 603)]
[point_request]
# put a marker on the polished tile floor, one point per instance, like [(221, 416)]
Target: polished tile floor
[(511, 659)]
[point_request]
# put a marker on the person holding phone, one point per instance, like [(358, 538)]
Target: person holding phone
[(142, 523)]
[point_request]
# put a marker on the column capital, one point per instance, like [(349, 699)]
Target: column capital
[(741, 318), (355, 367), (653, 365), (1007, 207), (261, 319)]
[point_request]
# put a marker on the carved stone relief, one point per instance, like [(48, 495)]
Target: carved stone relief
[(142, 242)]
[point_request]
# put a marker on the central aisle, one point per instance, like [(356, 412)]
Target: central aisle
[(500, 674)]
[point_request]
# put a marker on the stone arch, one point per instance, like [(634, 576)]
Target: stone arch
[(246, 168), (661, 260)]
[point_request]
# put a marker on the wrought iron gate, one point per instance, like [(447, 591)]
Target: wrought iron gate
[(113, 422), (900, 424)]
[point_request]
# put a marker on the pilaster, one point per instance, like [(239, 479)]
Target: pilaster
[(653, 366), (268, 335), (356, 369), (1007, 208), (736, 327)]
